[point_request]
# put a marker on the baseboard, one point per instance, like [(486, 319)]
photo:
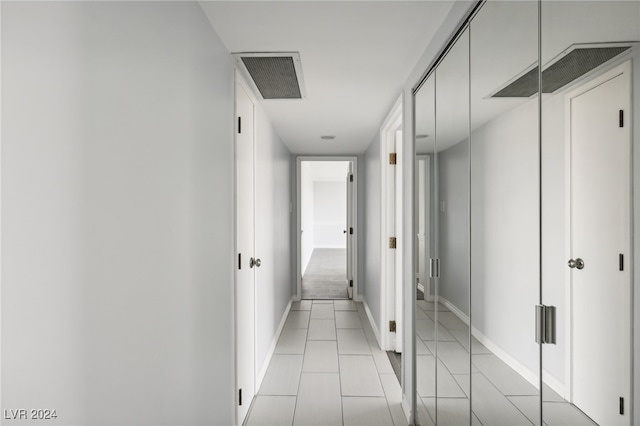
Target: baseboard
[(372, 323), (520, 368), (272, 347)]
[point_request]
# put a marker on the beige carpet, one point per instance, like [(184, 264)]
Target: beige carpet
[(326, 275)]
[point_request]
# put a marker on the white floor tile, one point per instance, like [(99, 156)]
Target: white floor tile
[(462, 336), (283, 375), (321, 356), (391, 388), (344, 305), (365, 411), (302, 305), (421, 348), (322, 311), (425, 375), (323, 301), (297, 319), (381, 360), (420, 314), (272, 411), (292, 341), (348, 319), (423, 415), (352, 341), (358, 376), (319, 400), (453, 355), (425, 329), (502, 376), (451, 411), (322, 329), (493, 408), (451, 321)]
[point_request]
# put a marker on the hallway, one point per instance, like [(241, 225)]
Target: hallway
[(325, 277), (327, 369)]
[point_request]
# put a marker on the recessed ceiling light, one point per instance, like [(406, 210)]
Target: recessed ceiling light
[(327, 137), (422, 136)]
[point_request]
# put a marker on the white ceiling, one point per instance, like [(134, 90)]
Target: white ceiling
[(356, 57)]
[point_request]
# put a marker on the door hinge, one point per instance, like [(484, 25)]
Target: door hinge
[(239, 124), (351, 177), (434, 268), (392, 158), (239, 260), (392, 242), (392, 326), (621, 262), (545, 324), (350, 283), (621, 406), (239, 396), (350, 231), (621, 118)]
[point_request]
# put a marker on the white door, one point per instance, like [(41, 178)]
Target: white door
[(350, 230), (245, 241), (599, 234)]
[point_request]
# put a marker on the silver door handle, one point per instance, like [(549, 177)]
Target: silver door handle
[(577, 263), (254, 262)]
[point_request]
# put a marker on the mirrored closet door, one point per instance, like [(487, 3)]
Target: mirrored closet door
[(523, 217)]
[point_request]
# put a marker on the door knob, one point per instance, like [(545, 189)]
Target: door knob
[(577, 263), (254, 262)]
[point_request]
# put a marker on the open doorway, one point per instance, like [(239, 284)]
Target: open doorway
[(326, 235)]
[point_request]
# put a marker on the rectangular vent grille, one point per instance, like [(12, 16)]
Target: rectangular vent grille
[(570, 67), (275, 77)]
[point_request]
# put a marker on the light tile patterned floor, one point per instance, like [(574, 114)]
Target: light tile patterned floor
[(327, 370), (500, 395)]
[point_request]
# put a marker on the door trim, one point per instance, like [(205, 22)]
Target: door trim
[(354, 266), (615, 70), (390, 267)]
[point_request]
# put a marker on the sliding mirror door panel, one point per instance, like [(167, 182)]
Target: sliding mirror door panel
[(589, 56), (448, 315), (426, 242), (505, 279)]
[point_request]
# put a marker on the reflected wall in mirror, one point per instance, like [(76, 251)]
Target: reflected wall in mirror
[(587, 49)]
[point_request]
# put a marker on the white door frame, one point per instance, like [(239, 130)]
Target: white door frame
[(354, 266), (614, 69), (391, 294)]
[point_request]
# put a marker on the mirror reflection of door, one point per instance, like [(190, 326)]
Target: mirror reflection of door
[(325, 227)]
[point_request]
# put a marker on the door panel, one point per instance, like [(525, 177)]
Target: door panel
[(245, 242), (600, 233)]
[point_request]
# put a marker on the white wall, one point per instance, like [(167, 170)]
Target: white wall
[(117, 218), (329, 214), (273, 224), (307, 209)]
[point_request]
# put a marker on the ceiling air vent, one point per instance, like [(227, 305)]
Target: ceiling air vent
[(275, 75), (572, 64)]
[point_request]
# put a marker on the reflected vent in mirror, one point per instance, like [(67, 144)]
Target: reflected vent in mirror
[(575, 62), (274, 75)]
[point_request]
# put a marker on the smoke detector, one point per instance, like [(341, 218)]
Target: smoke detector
[(274, 75)]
